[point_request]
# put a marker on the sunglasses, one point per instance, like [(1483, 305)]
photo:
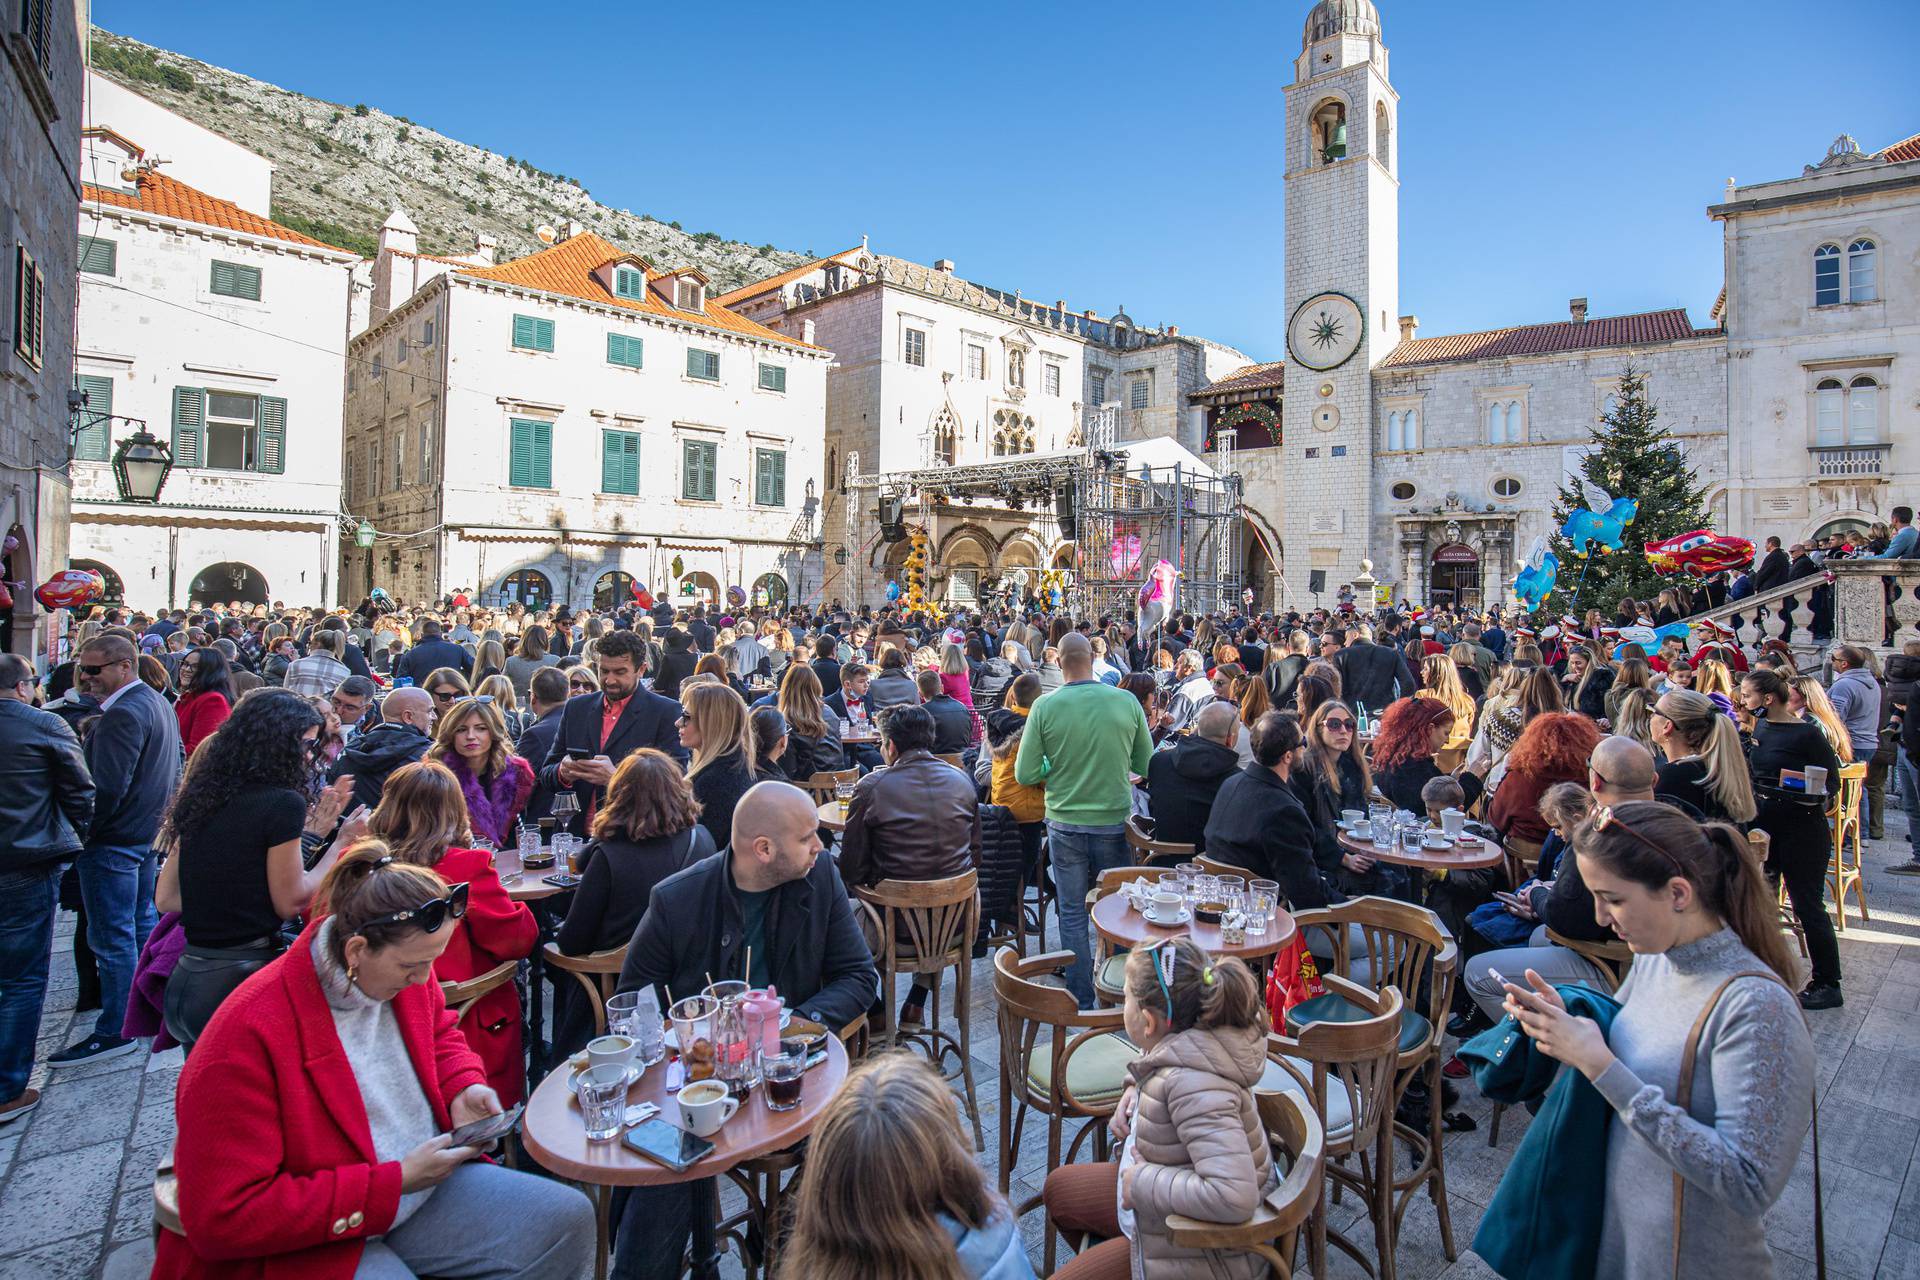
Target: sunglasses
[(1604, 819), (89, 669), (580, 684), (1339, 724), (444, 695), (430, 915)]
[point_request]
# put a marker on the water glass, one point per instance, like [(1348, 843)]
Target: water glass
[(637, 1014), (1380, 815), (785, 1071), (1263, 899), (1233, 892), (1174, 882), (529, 842), (603, 1101), (1410, 837), (1384, 828)]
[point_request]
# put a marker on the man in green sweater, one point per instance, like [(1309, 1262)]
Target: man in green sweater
[(1082, 741)]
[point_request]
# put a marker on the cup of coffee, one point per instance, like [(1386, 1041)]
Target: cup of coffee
[(1351, 816), (705, 1106), (612, 1050), (1816, 780), (1453, 822), (1165, 907), (1363, 830)]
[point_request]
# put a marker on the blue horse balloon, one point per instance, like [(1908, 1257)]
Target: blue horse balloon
[(1604, 523)]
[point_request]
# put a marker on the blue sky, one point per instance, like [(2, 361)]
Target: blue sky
[(1126, 153)]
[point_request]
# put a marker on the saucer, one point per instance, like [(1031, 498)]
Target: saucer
[(1186, 914), (634, 1070), (1436, 842)]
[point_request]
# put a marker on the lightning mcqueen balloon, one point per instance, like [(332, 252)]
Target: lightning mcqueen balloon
[(69, 589), (1701, 552)]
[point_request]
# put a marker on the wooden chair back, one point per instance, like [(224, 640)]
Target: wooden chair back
[(597, 973), (1030, 1008), (1215, 868), (1114, 879), (1146, 849), (825, 786), (462, 996), (1613, 959), (1273, 1230), (918, 926), (1843, 872), (1408, 945), (1358, 1058)]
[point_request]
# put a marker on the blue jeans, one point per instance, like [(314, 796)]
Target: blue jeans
[(489, 1223), (116, 883), (1909, 780), (27, 902), (1078, 858)]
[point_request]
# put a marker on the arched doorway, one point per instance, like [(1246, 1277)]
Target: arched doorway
[(698, 588), (966, 560), (528, 586), (1844, 525), (1456, 576), (769, 591), (226, 582), (116, 594), (612, 590)]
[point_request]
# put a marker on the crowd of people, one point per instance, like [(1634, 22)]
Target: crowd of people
[(279, 825)]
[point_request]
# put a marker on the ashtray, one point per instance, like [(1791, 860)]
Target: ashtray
[(537, 861), (1209, 912)]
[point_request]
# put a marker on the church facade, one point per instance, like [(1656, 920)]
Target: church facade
[(1436, 460)]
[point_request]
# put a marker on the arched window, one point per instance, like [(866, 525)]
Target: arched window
[(1826, 275), (1496, 424), (1410, 429), (1863, 411), (1828, 402), (1382, 139), (999, 444), (1395, 442), (1610, 405), (1513, 422), (1861, 285), (1327, 132)]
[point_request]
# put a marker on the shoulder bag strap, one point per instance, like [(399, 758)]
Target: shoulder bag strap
[(1683, 1096)]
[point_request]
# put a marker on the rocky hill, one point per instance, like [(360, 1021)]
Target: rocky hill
[(341, 167)]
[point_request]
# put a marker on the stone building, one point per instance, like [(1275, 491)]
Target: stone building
[(1438, 459), (40, 109), (220, 331), (563, 426), (932, 371)]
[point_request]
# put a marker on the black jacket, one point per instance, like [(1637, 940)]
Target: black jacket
[(1370, 674), (828, 671), (693, 934), (1401, 785), (649, 720), (990, 684), (1323, 805), (1181, 787), (46, 792), (374, 756), (1773, 570), (718, 788), (428, 657), (133, 753), (1281, 675), (1258, 823), (536, 743), (1566, 908), (1002, 868), (703, 634), (952, 724), (617, 884), (676, 664)]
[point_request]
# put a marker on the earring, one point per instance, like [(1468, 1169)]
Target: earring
[(353, 977)]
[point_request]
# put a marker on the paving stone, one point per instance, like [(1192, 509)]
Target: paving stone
[(60, 1196), (67, 1260), (80, 1112), (131, 1261)]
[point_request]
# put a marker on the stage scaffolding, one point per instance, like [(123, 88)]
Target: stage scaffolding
[(1129, 518)]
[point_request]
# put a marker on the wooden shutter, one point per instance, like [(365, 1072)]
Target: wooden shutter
[(189, 409), (700, 464), (543, 335), (97, 256), (777, 476), (273, 437), (773, 377), (543, 453), (520, 450), (232, 280), (94, 443), (610, 466), (532, 333), (623, 350)]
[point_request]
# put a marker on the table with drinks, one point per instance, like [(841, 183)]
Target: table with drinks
[(1405, 840), (728, 1066), (1225, 915)]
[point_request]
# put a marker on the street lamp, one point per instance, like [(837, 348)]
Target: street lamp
[(140, 466), (363, 536)]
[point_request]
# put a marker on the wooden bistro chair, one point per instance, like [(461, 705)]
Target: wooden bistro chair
[(1064, 1062), (1109, 970), (597, 973), (1410, 950), (924, 928), (1299, 1145), (1213, 868), (462, 996), (1346, 1070), (1843, 872), (1148, 851)]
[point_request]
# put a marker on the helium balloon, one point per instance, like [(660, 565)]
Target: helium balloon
[(1156, 597), (1701, 552), (736, 597), (6, 597), (1537, 577), (1603, 524), (642, 596), (69, 589), (893, 590)]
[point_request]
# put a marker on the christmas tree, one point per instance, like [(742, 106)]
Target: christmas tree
[(1632, 456)]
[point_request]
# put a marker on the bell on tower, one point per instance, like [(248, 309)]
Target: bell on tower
[(1330, 131)]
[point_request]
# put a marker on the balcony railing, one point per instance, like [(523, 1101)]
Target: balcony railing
[(1848, 461)]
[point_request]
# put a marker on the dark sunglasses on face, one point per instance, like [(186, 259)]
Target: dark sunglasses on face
[(88, 669), (445, 695), (580, 684), (428, 915), (1339, 724)]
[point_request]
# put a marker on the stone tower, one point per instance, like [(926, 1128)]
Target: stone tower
[(1342, 288)]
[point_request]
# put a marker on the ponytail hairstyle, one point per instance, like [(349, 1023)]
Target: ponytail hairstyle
[(1710, 675), (1649, 843), (366, 883), (1193, 989), (1715, 738), (1820, 711), (1765, 682)]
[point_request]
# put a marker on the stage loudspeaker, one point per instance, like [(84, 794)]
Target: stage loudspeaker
[(1063, 508), (1316, 580), (892, 512)]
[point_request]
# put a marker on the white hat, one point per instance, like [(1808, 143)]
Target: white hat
[(1426, 631), (1549, 631)]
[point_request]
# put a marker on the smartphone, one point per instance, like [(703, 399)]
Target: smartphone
[(488, 1130), (579, 753), (668, 1144), (1500, 895), (1501, 978), (563, 880)]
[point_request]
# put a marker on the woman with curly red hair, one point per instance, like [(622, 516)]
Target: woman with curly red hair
[(1553, 748), (1411, 730)]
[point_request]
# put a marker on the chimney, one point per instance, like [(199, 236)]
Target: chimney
[(398, 233), (1577, 307), (806, 332), (944, 266), (568, 230), (1173, 331), (485, 245), (1409, 325)]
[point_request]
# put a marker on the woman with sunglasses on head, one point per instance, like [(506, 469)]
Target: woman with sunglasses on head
[(423, 818), (313, 1130), (234, 834), (205, 682), (1702, 761), (1801, 841), (471, 740), (1712, 970)]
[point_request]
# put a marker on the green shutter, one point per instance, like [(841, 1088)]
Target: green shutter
[(704, 365), (773, 377), (623, 350), (523, 331), (543, 455), (620, 462), (273, 436), (531, 333), (248, 278), (778, 471), (530, 454), (223, 278), (189, 409), (97, 256), (630, 463), (231, 280), (699, 462), (543, 334), (94, 441)]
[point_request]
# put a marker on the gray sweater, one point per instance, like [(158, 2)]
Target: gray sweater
[(1738, 1141), (397, 1109)]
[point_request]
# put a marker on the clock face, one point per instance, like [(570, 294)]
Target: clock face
[(1326, 330)]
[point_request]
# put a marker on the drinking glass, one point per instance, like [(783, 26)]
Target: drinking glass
[(1233, 891), (737, 1043), (1410, 837), (1263, 898), (843, 792), (1174, 882), (529, 842), (1384, 828), (565, 805), (637, 1014), (603, 1101), (1379, 815), (693, 1030), (785, 1072)]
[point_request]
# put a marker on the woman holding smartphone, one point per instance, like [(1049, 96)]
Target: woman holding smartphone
[(1711, 971)]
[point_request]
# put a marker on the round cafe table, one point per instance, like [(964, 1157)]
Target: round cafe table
[(1455, 857), (861, 737), (1117, 922), (555, 1135), (833, 816)]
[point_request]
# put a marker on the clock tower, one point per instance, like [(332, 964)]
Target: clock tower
[(1342, 290)]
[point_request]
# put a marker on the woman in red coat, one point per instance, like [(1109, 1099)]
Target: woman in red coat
[(206, 695), (312, 1116), (423, 818)]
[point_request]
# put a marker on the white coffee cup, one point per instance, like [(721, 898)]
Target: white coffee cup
[(1816, 780), (1165, 906), (1351, 816), (1453, 822), (704, 1106), (1363, 830), (612, 1051)]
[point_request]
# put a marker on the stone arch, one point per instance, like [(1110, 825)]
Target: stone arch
[(227, 581), (116, 590), (1021, 550), (964, 533), (1325, 130), (1382, 141)]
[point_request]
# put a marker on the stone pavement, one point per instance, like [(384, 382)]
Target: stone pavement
[(75, 1177)]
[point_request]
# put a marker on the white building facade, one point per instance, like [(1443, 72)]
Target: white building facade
[(222, 332), (559, 428)]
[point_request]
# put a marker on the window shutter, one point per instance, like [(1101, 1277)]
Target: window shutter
[(97, 256), (189, 408), (523, 331), (543, 455), (95, 440), (543, 335), (520, 453), (223, 278), (779, 479), (611, 469), (630, 463), (247, 282), (273, 437), (531, 333)]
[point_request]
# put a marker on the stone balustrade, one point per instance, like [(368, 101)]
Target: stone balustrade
[(1876, 604)]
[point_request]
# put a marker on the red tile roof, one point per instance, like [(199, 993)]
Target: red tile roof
[(1905, 149), (1545, 339), (1249, 378), (568, 269), (759, 287), (171, 198)]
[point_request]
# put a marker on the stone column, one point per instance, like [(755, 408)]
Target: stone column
[(1413, 553)]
